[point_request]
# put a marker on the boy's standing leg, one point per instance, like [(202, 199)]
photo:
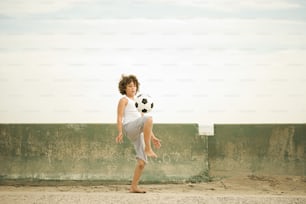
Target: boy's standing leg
[(137, 174)]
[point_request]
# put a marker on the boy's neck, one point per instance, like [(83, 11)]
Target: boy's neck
[(130, 97)]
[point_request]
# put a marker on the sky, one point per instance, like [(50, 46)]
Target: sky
[(205, 62)]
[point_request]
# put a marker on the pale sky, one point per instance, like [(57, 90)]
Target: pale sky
[(205, 62)]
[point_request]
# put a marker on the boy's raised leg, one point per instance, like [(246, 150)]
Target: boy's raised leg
[(147, 130)]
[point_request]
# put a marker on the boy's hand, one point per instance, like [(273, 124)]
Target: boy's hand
[(156, 142), (119, 138)]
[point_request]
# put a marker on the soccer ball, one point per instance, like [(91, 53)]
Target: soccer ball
[(144, 103)]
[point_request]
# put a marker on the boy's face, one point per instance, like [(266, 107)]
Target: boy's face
[(131, 89)]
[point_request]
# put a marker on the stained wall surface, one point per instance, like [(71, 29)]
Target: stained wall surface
[(89, 152), (269, 149)]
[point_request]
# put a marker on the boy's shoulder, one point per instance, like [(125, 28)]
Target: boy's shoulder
[(123, 98)]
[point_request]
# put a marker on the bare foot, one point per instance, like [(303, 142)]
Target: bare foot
[(137, 190), (150, 153)]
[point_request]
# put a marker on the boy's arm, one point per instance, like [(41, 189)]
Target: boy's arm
[(120, 110), (156, 141), (153, 136)]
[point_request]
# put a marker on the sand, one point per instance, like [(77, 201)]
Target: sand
[(247, 189)]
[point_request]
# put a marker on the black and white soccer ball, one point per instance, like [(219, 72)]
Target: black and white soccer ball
[(144, 103)]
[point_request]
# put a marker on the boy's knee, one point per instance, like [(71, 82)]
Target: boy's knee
[(149, 119), (141, 164)]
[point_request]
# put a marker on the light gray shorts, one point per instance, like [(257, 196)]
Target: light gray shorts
[(134, 131)]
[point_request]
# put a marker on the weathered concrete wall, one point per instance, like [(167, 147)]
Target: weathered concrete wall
[(270, 149), (89, 152)]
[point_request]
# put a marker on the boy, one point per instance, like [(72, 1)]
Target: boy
[(136, 126)]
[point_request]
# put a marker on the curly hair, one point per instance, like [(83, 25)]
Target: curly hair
[(125, 80)]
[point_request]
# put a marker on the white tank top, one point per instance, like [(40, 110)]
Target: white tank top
[(130, 112)]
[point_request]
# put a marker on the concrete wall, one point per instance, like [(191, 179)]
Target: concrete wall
[(270, 149), (89, 152)]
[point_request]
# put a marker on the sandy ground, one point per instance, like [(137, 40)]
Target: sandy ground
[(248, 189)]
